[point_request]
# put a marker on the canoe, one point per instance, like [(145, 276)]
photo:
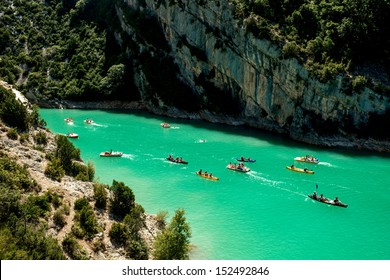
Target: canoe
[(207, 176), (246, 160), (239, 169), (301, 170), (307, 159), (111, 154), (177, 161), (328, 201)]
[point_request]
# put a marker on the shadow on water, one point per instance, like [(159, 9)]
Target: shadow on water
[(246, 131)]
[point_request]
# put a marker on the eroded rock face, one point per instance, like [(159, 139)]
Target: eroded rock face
[(195, 56)]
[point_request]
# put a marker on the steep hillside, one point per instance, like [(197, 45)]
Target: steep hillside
[(253, 63)]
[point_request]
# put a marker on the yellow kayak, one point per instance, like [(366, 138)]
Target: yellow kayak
[(302, 170), (207, 176)]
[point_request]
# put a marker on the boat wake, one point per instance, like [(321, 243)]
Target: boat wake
[(175, 127), (129, 156), (272, 183), (257, 176), (100, 125), (326, 164)]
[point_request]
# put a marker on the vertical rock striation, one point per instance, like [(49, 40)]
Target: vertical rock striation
[(194, 58)]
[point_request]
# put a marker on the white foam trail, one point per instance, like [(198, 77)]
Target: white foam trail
[(326, 164), (175, 127), (129, 156)]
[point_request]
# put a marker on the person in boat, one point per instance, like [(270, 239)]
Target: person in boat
[(242, 158), (315, 195), (292, 166), (322, 198), (336, 200), (110, 151), (206, 174), (305, 169), (211, 175), (200, 172)]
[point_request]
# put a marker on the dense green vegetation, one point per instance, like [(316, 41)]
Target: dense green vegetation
[(173, 242), (66, 160), (67, 49), (58, 48), (22, 216), (329, 37)]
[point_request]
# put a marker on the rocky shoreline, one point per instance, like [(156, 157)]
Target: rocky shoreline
[(349, 142)]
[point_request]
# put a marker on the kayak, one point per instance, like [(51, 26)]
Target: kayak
[(243, 169), (207, 176), (177, 161), (246, 160), (307, 159), (302, 170), (328, 201)]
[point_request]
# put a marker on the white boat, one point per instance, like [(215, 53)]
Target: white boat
[(308, 159), (72, 135), (111, 154), (89, 121)]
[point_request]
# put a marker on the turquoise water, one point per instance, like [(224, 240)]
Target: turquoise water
[(264, 214)]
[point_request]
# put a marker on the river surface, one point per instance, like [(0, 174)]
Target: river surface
[(264, 214)]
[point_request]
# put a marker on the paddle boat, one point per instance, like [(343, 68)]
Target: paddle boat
[(334, 202), (72, 135), (242, 159), (238, 167), (176, 160), (301, 170), (165, 125), (111, 154), (307, 159), (88, 121), (69, 120), (206, 175)]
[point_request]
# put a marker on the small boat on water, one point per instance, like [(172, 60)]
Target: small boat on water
[(111, 154), (208, 176), (301, 170), (165, 125), (334, 202), (88, 121), (242, 159), (307, 159), (238, 167), (176, 160), (69, 120), (72, 135)]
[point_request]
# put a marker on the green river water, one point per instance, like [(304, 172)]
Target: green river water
[(261, 215)]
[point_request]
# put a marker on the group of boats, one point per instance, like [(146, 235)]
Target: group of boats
[(72, 134), (314, 196)]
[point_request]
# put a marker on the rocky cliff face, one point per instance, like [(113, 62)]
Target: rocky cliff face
[(194, 58)]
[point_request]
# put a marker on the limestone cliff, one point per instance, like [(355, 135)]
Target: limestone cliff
[(195, 59)]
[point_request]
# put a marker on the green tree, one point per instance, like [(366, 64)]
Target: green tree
[(100, 195), (123, 199), (173, 242)]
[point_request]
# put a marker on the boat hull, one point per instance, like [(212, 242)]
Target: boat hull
[(207, 177), (239, 169), (300, 170), (328, 201), (303, 159), (109, 154)]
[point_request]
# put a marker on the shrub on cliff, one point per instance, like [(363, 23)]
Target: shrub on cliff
[(54, 170), (100, 195), (173, 242), (123, 199)]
